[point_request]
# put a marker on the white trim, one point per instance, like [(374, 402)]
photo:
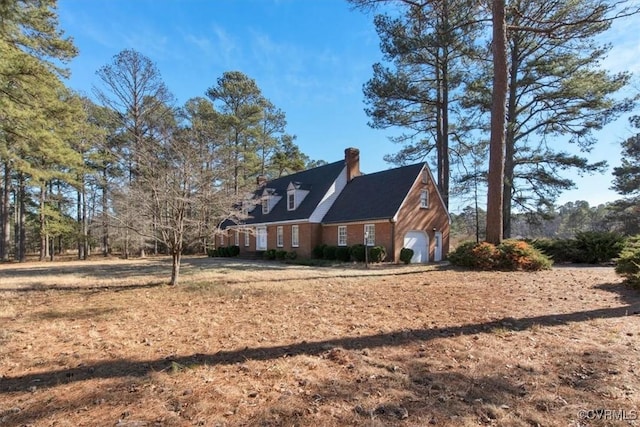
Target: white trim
[(261, 231), (279, 236), (359, 222), (295, 243), (345, 228), (247, 240), (368, 239), (424, 192), (260, 224)]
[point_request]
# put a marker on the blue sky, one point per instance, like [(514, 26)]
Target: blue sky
[(309, 57)]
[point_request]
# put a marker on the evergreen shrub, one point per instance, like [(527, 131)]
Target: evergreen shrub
[(405, 255)]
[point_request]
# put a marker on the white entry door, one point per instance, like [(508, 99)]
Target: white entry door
[(261, 238), (437, 255), (419, 242)]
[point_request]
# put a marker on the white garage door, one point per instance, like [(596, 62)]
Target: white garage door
[(419, 242)]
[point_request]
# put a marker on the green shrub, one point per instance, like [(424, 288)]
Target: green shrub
[(343, 253), (280, 255), (560, 250), (357, 252), (595, 247), (628, 264), (318, 251), (519, 255), (329, 252), (269, 254), (222, 251), (405, 255), (377, 254), (212, 253), (234, 250), (291, 255)]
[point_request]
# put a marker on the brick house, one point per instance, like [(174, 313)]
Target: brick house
[(336, 205)]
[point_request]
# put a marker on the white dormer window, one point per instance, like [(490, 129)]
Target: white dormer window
[(295, 194), (269, 200)]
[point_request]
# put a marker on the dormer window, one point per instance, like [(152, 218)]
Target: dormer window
[(295, 194), (269, 200), (291, 200)]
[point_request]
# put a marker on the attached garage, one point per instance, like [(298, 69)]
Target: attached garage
[(419, 242)]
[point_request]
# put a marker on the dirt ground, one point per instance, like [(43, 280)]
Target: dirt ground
[(107, 343)]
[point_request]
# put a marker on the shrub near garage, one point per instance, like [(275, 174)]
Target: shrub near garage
[(510, 255), (406, 254)]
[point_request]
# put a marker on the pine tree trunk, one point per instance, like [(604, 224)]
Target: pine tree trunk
[(44, 241), (105, 217), (79, 222), (498, 114), (21, 253), (85, 234), (5, 214)]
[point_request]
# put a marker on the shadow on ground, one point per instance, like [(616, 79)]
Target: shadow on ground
[(125, 368)]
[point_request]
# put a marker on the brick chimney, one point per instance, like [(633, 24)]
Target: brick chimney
[(261, 180), (352, 161)]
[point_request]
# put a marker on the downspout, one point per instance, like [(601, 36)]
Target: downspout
[(393, 239)]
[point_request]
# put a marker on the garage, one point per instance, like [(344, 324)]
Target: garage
[(419, 242)]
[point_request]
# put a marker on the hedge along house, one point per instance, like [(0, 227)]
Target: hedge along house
[(336, 205)]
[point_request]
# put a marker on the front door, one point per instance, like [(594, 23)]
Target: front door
[(261, 238)]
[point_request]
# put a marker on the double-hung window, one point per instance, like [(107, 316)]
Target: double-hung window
[(342, 235), (295, 236), (424, 199), (291, 201), (280, 236), (247, 242), (370, 234)]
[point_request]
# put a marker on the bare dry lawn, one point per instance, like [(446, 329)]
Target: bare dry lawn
[(107, 343)]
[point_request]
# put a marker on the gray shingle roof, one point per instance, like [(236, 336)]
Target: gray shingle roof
[(374, 196), (317, 181)]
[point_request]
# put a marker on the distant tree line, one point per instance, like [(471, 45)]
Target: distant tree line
[(127, 170), (560, 222)]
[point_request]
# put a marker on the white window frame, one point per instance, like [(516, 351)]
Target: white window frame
[(265, 205), (237, 237), (424, 199), (295, 236), (342, 235), (370, 232), (261, 232), (280, 236), (247, 241), (221, 239)]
